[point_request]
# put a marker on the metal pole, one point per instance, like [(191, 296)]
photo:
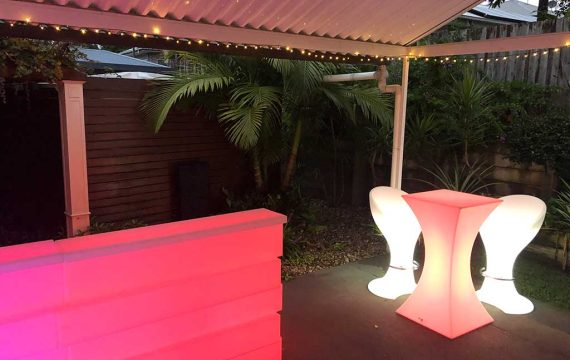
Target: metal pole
[(401, 98), (374, 75)]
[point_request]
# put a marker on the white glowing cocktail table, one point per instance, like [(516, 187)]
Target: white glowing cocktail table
[(444, 299)]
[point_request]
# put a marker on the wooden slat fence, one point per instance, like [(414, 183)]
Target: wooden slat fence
[(132, 170), (552, 68)]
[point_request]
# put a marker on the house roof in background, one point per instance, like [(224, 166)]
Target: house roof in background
[(107, 61), (136, 75), (509, 11)]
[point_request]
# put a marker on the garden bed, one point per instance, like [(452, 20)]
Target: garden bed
[(331, 237)]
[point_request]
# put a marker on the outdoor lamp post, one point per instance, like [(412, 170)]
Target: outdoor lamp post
[(505, 233), (401, 230)]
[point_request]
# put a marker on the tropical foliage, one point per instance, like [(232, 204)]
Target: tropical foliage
[(469, 98), (536, 125), (264, 105), (21, 58)]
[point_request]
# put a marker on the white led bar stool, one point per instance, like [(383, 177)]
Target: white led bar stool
[(505, 233), (401, 230)]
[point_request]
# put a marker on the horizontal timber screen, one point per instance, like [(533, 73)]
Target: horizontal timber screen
[(207, 288), (132, 171)]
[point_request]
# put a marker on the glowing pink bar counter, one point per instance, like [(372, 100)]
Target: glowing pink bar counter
[(203, 289), (445, 300)]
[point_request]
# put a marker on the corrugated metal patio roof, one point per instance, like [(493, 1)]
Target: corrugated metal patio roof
[(365, 27), (361, 30), (397, 22)]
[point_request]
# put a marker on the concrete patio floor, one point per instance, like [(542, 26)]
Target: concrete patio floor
[(331, 315)]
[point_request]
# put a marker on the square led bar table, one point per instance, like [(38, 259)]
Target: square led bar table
[(445, 300)]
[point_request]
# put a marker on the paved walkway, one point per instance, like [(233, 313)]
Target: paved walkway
[(330, 315)]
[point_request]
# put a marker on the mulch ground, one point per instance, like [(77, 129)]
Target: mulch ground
[(334, 236)]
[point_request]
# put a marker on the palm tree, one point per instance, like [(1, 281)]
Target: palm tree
[(305, 95), (469, 98), (258, 98), (236, 89)]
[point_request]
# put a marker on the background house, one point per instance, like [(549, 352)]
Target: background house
[(510, 12)]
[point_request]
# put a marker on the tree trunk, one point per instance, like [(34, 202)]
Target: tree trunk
[(542, 12), (372, 164), (292, 161), (360, 179), (547, 183), (466, 153), (257, 176)]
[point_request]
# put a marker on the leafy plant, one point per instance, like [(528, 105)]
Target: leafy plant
[(461, 177), (542, 139), (25, 57), (468, 103), (20, 58), (559, 209), (424, 138), (377, 145), (263, 104)]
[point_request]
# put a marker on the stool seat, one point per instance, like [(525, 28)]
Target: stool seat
[(401, 230), (505, 233)]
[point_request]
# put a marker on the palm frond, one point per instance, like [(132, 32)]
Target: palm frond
[(256, 95), (558, 214), (242, 124), (301, 77), (164, 94), (337, 94), (373, 105), (460, 177), (423, 136), (251, 107)]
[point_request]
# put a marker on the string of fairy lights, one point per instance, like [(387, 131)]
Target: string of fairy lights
[(196, 44)]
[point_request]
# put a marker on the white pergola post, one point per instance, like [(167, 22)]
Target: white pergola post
[(73, 146), (401, 99)]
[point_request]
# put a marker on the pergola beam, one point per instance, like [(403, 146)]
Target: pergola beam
[(86, 18), (515, 43)]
